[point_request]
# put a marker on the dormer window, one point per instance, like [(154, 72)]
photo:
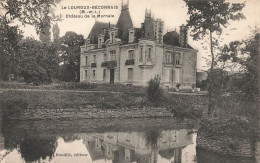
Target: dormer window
[(131, 35), (112, 37), (88, 41), (99, 43), (100, 40)]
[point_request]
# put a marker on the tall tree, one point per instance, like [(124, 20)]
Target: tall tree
[(38, 62), (27, 12), (70, 57), (45, 33), (10, 37), (246, 55), (56, 35), (209, 17)]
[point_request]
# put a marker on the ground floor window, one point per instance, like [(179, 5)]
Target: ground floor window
[(167, 75), (130, 74), (104, 74), (94, 73), (86, 74)]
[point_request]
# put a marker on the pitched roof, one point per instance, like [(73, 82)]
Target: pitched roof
[(124, 23), (98, 28), (172, 38)]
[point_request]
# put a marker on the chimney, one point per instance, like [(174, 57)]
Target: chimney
[(158, 31), (183, 36)]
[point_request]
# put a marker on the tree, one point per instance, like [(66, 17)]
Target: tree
[(245, 55), (45, 34), (237, 91), (70, 56), (10, 37), (154, 92), (38, 62), (209, 17), (27, 12), (56, 35)]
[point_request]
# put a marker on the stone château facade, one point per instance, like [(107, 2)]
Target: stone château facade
[(124, 54)]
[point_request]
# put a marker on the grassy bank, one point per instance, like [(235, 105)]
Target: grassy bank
[(74, 86), (183, 106)]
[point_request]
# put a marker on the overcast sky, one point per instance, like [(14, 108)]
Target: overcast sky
[(172, 12)]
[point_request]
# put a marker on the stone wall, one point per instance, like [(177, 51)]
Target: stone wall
[(92, 112), (227, 145), (231, 137)]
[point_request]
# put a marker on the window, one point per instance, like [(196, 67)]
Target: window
[(104, 74), (86, 60), (178, 59), (131, 36), (149, 54), (131, 54), (86, 74), (112, 55), (94, 58), (105, 57), (130, 74), (112, 37), (141, 55), (99, 43), (168, 57), (94, 73), (167, 75)]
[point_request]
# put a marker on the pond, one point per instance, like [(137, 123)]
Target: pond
[(104, 141)]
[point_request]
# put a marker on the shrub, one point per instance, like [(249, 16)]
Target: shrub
[(154, 92)]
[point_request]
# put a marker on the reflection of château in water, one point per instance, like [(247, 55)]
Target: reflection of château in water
[(133, 146)]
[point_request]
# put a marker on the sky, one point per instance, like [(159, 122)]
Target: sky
[(172, 12)]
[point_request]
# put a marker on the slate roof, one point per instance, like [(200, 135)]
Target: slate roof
[(97, 29), (124, 23), (172, 38)]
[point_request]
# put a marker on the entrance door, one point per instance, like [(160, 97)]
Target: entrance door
[(112, 76)]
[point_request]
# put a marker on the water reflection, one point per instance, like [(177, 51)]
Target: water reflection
[(27, 143), (90, 141)]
